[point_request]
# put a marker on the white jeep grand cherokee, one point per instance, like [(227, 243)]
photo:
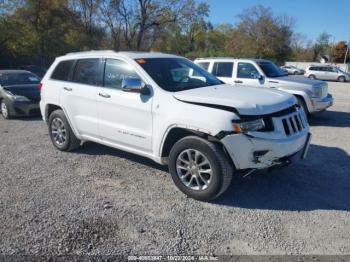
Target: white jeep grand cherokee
[(166, 108)]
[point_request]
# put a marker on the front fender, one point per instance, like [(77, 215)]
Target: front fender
[(302, 94)]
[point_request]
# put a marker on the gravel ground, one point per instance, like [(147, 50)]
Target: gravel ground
[(99, 200)]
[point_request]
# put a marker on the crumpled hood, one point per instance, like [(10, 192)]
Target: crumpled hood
[(296, 82), (31, 92), (245, 99)]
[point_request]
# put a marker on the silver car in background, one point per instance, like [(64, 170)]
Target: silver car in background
[(327, 72), (292, 70)]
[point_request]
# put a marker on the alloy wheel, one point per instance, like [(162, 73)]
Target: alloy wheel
[(4, 110), (194, 169), (59, 132)]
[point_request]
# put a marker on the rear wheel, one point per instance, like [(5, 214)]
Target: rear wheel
[(61, 133), (4, 110), (199, 168), (341, 79)]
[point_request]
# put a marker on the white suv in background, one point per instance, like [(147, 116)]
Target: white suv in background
[(327, 72), (312, 95), (166, 108)]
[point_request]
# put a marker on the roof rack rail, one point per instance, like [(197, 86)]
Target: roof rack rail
[(90, 51), (216, 57)]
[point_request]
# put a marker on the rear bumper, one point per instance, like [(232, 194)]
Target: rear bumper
[(249, 152), (320, 104), (25, 108)]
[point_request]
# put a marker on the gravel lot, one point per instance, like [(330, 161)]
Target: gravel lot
[(99, 200)]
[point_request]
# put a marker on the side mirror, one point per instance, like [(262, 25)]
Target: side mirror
[(134, 85), (256, 76)]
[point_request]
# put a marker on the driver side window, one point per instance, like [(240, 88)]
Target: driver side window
[(246, 70), (116, 71)]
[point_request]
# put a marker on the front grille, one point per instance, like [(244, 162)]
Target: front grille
[(293, 123)]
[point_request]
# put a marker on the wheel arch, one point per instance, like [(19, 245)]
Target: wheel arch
[(176, 133), (49, 108)]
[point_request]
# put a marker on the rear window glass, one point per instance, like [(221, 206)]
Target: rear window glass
[(87, 71), (62, 70)]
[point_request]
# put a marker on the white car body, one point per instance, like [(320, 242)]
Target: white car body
[(327, 72), (314, 93), (142, 124)]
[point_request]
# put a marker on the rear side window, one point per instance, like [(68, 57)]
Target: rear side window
[(314, 68), (62, 70), (204, 65), (223, 69), (87, 71), (116, 71)]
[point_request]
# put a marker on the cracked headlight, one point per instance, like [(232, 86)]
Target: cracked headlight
[(246, 126)]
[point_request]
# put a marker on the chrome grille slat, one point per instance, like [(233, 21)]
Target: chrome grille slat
[(291, 124)]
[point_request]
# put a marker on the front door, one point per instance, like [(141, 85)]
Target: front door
[(125, 118), (246, 74)]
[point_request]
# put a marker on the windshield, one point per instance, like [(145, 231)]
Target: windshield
[(271, 70), (9, 79), (177, 74)]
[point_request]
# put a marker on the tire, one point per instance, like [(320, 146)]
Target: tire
[(302, 103), (341, 79), (5, 110), (312, 76), (296, 73), (221, 170), (59, 125)]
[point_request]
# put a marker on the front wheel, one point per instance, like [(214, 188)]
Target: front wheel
[(4, 110), (341, 79), (200, 168), (302, 104)]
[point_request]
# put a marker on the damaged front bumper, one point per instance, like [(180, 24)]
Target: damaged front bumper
[(249, 152)]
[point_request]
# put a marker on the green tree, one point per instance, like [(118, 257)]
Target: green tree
[(260, 34)]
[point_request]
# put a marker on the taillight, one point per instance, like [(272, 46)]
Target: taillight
[(40, 85)]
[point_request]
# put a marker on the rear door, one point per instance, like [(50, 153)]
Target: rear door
[(78, 96), (223, 71), (125, 118)]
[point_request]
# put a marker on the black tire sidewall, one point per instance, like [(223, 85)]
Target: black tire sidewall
[(217, 179), (341, 79), (302, 103), (312, 77), (60, 114)]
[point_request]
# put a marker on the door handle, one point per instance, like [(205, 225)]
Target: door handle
[(67, 88), (104, 95), (238, 81)]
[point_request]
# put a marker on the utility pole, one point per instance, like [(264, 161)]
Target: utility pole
[(347, 51)]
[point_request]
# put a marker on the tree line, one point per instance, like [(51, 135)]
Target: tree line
[(37, 31)]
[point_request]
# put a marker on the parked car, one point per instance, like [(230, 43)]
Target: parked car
[(37, 70), (292, 70), (312, 95), (327, 72), (19, 93), (166, 108)]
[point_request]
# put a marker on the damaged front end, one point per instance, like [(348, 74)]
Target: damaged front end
[(286, 135)]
